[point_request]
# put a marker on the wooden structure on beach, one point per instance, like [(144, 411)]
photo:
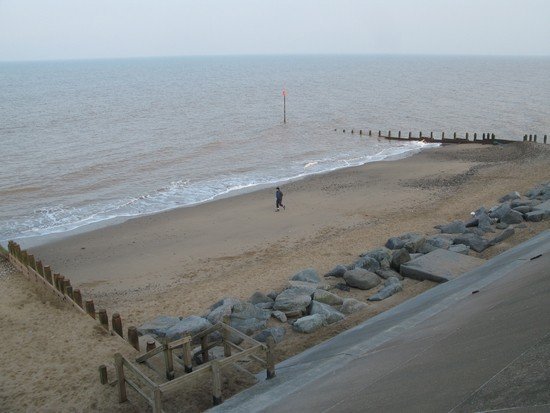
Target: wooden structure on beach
[(177, 373), (483, 138), (61, 287)]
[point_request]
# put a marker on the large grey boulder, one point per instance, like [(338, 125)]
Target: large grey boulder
[(460, 249), (523, 209), (395, 243), (512, 217), (367, 263), (537, 216), (327, 297), (337, 271), (279, 315), (217, 314), (510, 197), (484, 222), (455, 227), (434, 242), (440, 266), (385, 274), (158, 326), (391, 286), (309, 324), (308, 275), (190, 325), (362, 279), (399, 257), (227, 301), (474, 241), (260, 298), (278, 333), (499, 211), (507, 233), (293, 300), (382, 255), (413, 242), (351, 305), (545, 206), (330, 314), (247, 318)]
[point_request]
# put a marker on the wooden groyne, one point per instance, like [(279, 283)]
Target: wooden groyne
[(35, 270), (467, 137)]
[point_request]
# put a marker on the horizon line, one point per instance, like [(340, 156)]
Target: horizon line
[(330, 54)]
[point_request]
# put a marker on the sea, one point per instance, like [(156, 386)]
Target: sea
[(93, 142)]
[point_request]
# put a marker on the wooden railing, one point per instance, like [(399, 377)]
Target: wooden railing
[(153, 392)]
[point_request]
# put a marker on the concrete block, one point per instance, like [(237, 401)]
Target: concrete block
[(440, 265)]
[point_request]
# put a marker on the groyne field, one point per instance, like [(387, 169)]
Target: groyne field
[(181, 262)]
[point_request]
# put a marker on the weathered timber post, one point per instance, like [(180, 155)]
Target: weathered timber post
[(133, 338), (270, 357), (90, 309), (475, 136), (120, 378), (442, 135), (370, 132), (492, 136), (103, 318), (544, 138), (168, 361), (225, 337), (48, 273), (466, 135), (24, 257), (204, 349), (187, 360), (352, 131), (379, 133), (410, 135), (360, 132), (431, 135), (524, 138), (40, 268), (530, 138), (454, 135), (399, 134), (56, 281), (69, 292), (534, 138), (66, 284), (157, 400), (116, 323), (420, 135), (483, 138), (389, 134), (103, 374), (77, 297), (60, 283), (151, 345), (216, 383), (343, 131), (32, 263)]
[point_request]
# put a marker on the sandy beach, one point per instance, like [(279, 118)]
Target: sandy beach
[(180, 262)]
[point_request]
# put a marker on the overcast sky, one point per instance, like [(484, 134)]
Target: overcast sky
[(76, 29)]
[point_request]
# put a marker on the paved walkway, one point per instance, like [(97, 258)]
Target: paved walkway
[(478, 343)]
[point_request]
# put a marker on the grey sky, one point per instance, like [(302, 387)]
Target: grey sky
[(74, 29)]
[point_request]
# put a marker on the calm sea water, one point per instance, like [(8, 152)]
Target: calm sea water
[(88, 141)]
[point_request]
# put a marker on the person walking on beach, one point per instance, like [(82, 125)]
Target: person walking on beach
[(279, 199)]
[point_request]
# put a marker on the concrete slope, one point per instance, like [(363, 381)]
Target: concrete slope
[(479, 342)]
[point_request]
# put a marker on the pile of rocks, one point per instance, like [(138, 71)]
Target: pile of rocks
[(310, 302)]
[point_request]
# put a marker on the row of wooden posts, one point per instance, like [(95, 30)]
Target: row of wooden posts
[(61, 286), (483, 138)]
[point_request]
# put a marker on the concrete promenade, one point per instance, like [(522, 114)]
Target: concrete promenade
[(480, 342)]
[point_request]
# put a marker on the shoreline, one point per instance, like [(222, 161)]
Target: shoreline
[(44, 239)]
